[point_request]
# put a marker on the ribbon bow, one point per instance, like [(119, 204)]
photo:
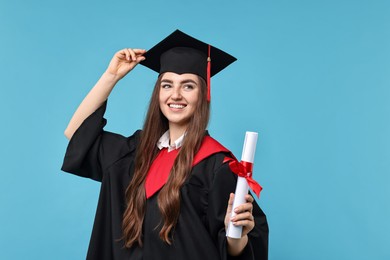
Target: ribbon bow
[(244, 169)]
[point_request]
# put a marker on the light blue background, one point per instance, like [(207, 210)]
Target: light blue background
[(312, 77)]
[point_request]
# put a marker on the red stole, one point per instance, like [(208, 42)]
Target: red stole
[(159, 170)]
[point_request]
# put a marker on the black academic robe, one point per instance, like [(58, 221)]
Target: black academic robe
[(199, 234)]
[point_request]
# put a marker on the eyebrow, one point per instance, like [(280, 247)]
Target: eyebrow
[(181, 82)]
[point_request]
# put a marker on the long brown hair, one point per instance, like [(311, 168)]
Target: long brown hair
[(169, 197)]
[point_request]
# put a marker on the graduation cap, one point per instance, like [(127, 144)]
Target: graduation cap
[(181, 53)]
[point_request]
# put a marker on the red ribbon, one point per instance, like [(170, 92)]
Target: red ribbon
[(244, 169)]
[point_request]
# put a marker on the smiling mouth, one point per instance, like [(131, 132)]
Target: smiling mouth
[(178, 106)]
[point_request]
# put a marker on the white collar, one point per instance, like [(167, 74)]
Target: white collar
[(163, 142)]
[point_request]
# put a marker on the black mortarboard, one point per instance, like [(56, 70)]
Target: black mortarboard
[(181, 53)]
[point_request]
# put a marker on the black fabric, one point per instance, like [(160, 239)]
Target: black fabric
[(182, 60), (199, 233)]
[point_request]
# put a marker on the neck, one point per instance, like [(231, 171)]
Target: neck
[(175, 132)]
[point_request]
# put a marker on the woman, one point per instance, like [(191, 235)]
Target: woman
[(166, 192)]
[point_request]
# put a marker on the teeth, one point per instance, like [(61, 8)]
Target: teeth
[(176, 106)]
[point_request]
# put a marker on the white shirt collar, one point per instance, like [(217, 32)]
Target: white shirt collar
[(163, 142)]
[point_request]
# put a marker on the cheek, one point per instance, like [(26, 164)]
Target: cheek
[(161, 97), (161, 101), (195, 98)]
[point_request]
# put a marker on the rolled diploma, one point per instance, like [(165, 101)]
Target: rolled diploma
[(248, 155)]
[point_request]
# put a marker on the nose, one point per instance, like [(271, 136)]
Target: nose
[(176, 93)]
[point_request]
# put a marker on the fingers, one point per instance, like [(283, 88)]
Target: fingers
[(248, 206), (249, 224), (244, 215), (249, 198), (139, 51), (132, 54), (244, 219)]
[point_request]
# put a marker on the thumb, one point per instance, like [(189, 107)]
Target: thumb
[(230, 204)]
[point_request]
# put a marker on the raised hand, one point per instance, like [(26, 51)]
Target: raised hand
[(124, 61)]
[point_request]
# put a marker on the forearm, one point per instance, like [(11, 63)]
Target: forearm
[(94, 99), (236, 246)]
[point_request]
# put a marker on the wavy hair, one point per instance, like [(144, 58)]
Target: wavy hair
[(169, 197)]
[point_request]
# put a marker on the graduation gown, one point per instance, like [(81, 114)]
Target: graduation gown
[(199, 234)]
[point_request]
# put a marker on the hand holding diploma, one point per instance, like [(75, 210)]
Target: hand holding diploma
[(244, 219), (240, 210)]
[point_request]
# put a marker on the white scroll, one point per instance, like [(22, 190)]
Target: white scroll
[(248, 155)]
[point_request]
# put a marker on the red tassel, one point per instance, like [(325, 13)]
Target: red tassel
[(208, 75)]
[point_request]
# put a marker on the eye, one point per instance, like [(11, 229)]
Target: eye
[(188, 87), (165, 86)]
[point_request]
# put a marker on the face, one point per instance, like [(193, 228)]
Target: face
[(178, 97)]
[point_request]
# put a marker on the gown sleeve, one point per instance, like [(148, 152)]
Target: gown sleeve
[(223, 184), (91, 150)]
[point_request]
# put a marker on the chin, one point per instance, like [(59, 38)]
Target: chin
[(180, 123)]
